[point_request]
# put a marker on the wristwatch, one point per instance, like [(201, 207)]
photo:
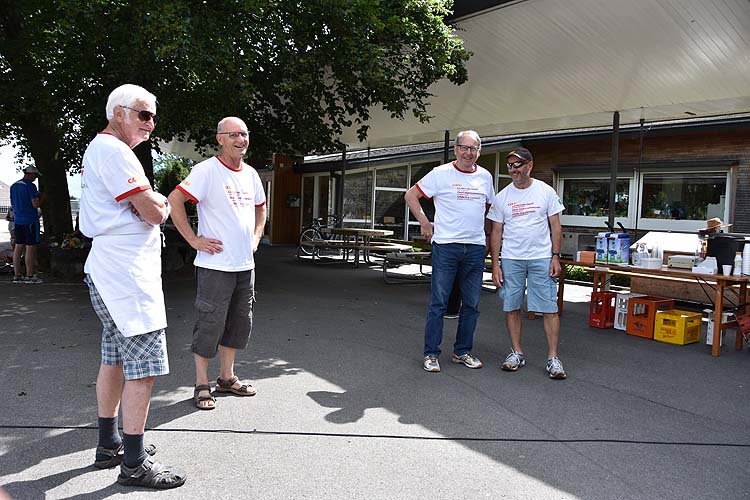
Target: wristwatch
[(556, 254)]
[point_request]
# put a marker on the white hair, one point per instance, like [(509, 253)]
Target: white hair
[(127, 95), (472, 133)]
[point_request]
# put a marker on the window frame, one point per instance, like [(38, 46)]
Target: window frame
[(636, 178)]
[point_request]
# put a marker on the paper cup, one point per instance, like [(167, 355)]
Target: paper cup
[(726, 269)]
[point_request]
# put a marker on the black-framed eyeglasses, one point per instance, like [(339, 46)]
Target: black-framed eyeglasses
[(467, 149), (234, 135), (516, 164), (143, 115)]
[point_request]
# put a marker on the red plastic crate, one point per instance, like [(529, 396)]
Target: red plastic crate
[(602, 309)]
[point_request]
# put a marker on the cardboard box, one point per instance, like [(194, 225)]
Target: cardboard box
[(618, 248), (677, 327), (586, 256), (602, 247)]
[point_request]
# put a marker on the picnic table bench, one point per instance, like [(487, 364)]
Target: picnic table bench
[(327, 251)]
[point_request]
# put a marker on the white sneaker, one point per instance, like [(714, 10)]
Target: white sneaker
[(555, 368), (430, 364), (514, 361)]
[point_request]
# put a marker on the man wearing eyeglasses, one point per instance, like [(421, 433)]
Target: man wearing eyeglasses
[(122, 214), (526, 231), (231, 217), (462, 191)]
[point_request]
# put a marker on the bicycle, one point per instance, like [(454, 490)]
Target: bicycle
[(317, 230), (6, 261)]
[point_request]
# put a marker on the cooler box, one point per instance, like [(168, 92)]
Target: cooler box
[(677, 327), (618, 249), (602, 309), (621, 309), (642, 314)]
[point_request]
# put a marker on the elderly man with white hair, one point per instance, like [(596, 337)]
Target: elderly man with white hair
[(122, 213)]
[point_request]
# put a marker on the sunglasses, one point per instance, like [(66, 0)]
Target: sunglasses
[(234, 135), (144, 115), (516, 164)]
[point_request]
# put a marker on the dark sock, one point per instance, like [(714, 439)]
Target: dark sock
[(108, 436), (135, 454)]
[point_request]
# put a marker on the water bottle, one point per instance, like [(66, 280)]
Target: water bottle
[(639, 254), (737, 271)]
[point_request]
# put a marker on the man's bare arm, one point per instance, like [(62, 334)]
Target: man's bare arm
[(150, 205)]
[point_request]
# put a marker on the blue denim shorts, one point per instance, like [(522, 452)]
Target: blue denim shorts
[(541, 289)]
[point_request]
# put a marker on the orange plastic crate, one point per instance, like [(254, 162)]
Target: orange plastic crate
[(642, 314)]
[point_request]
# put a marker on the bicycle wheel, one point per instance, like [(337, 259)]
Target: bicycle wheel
[(307, 239)]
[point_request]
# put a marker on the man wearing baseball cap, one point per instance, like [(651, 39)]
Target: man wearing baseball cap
[(526, 228), (25, 200)]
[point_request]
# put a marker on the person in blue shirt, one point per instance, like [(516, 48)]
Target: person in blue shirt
[(25, 200)]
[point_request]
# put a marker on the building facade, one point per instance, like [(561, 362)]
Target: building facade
[(671, 177)]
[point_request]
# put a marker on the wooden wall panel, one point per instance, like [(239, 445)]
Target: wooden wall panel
[(285, 221)]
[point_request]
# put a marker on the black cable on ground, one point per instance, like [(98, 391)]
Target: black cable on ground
[(394, 436)]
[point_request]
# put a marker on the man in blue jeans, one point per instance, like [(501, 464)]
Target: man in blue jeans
[(462, 191)]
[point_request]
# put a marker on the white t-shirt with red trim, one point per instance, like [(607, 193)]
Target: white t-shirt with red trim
[(111, 172), (525, 215), (226, 200), (125, 258), (461, 199)]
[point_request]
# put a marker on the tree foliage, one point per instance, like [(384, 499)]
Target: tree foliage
[(169, 171), (298, 72)]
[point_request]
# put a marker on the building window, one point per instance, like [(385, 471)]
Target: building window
[(657, 199), (682, 196), (357, 198), (590, 197)]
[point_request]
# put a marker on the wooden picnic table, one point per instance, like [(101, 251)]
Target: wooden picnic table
[(363, 240), (355, 242)]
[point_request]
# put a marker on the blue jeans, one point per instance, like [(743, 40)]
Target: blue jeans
[(451, 261)]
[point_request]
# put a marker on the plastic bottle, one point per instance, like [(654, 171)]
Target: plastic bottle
[(746, 259), (737, 270)]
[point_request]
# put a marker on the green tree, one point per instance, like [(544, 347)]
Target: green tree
[(297, 72), (169, 171)]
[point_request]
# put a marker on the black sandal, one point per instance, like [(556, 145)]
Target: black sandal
[(202, 399), (114, 457), (152, 474)]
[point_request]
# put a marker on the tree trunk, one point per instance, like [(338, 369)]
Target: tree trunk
[(143, 152), (44, 146)]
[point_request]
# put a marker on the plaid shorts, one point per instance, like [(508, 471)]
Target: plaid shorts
[(141, 356)]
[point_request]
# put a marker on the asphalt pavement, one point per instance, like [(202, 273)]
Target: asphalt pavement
[(345, 411)]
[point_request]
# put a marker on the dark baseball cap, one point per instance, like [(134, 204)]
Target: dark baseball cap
[(522, 153)]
